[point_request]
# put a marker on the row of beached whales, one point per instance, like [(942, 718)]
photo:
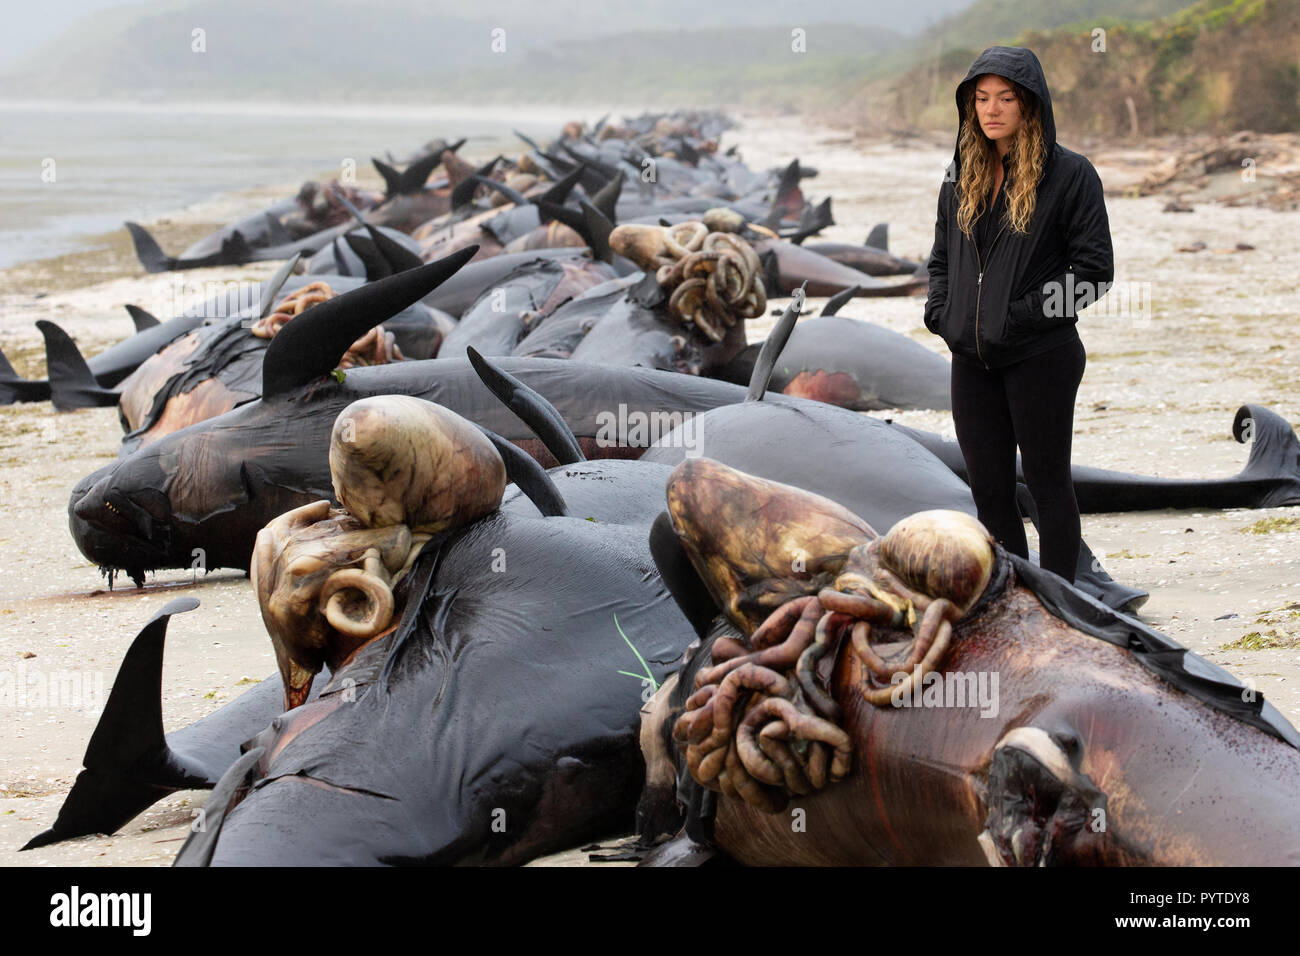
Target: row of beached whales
[(527, 556), (545, 221)]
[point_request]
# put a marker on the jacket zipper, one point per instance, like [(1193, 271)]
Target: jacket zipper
[(979, 288)]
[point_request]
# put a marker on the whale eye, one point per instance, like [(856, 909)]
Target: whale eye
[(946, 554)]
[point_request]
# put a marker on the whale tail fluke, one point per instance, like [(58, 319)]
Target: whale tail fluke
[(606, 198), (1274, 459), (312, 345), (527, 474), (8, 376), (199, 846), (10, 382), (559, 191), (464, 179)]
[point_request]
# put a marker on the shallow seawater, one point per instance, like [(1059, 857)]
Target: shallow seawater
[(73, 170)]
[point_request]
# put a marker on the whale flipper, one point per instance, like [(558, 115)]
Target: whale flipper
[(541, 417)]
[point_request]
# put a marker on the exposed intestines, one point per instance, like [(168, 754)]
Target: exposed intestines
[(403, 469)]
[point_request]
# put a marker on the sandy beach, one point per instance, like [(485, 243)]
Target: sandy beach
[(1205, 333)]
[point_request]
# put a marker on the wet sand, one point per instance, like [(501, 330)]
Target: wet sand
[(1158, 397)]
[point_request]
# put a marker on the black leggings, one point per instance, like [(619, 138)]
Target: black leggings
[(1030, 403)]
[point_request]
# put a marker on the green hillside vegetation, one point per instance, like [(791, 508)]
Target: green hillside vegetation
[(1215, 65), (988, 22)]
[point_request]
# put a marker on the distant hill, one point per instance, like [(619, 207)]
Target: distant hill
[(988, 22), (1215, 65), (409, 50), (752, 66)]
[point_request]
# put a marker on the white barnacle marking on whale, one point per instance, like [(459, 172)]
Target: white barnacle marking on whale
[(1038, 744)]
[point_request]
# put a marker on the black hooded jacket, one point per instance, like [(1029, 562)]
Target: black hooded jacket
[(1016, 295)]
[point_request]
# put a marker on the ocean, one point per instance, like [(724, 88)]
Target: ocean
[(69, 171)]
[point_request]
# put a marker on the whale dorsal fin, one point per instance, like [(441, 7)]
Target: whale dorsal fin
[(414, 176), (72, 384), (313, 343), (129, 736), (276, 234), (559, 191), (465, 182), (598, 227), (392, 178), (142, 319), (148, 251), (606, 198)]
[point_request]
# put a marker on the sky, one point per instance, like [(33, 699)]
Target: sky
[(29, 25)]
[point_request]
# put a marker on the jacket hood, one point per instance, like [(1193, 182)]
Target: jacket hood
[(1020, 65)]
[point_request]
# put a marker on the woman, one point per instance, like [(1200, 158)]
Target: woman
[(1021, 242)]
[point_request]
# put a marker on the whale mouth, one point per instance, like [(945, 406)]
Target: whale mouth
[(121, 533)]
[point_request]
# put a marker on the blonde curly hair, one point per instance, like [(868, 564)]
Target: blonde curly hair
[(1028, 154)]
